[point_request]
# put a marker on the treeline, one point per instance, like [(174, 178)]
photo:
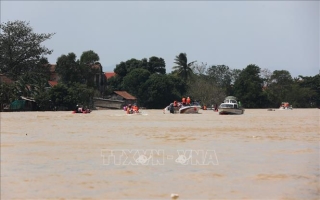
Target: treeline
[(23, 59)]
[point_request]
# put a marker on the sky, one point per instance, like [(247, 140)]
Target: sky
[(275, 35)]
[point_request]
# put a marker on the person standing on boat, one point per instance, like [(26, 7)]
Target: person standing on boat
[(183, 101), (188, 101)]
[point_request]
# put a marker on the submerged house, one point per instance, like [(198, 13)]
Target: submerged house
[(23, 104), (117, 100), (124, 96)]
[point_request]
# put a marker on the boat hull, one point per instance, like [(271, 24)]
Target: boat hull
[(183, 110), (189, 110), (231, 111), (285, 108)]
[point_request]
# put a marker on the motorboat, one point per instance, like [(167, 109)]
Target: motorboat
[(230, 106), (182, 109), (189, 109), (285, 106)]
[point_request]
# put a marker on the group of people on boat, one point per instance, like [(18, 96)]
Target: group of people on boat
[(285, 105), (131, 109), (184, 102), (176, 105), (81, 109)]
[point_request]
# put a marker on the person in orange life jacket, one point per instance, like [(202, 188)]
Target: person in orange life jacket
[(135, 108), (188, 101), (183, 101), (175, 104)]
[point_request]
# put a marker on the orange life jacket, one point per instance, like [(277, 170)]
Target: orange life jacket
[(188, 100)]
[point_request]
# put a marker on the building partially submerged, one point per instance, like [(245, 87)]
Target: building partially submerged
[(23, 104), (117, 100)]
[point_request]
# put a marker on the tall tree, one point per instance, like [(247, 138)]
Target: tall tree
[(134, 80), (312, 83), (121, 69), (248, 87), (156, 65), (92, 71), (281, 83), (89, 57), (160, 90), (20, 48), (69, 69), (182, 67)]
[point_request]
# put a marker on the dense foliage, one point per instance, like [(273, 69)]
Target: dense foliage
[(22, 58)]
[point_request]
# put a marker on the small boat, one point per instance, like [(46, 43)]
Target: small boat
[(87, 111), (187, 109), (285, 106), (230, 106)]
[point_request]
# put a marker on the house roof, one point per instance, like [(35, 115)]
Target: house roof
[(5, 79), (109, 74), (52, 83), (125, 95)]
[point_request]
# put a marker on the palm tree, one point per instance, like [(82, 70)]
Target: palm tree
[(183, 68)]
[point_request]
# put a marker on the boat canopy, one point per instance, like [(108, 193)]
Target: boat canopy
[(231, 97)]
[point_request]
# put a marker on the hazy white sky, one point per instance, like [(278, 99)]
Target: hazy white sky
[(272, 34)]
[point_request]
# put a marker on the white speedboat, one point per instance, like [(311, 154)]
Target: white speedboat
[(188, 109), (230, 106)]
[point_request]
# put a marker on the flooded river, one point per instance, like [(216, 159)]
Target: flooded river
[(110, 155)]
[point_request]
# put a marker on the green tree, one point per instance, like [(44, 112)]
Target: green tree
[(159, 91), (222, 76), (182, 67), (114, 83), (312, 83), (248, 87), (92, 72), (67, 97), (69, 69), (7, 94), (133, 64), (205, 90), (89, 57), (20, 48), (156, 65), (121, 69), (281, 83), (134, 80)]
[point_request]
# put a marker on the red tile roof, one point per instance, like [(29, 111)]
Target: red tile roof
[(5, 79), (125, 95), (52, 83), (109, 74)]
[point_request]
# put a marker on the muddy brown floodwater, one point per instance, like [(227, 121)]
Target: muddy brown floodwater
[(110, 155)]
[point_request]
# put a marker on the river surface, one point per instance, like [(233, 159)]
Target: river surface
[(110, 155)]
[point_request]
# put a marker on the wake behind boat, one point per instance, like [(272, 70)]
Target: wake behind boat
[(230, 106)]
